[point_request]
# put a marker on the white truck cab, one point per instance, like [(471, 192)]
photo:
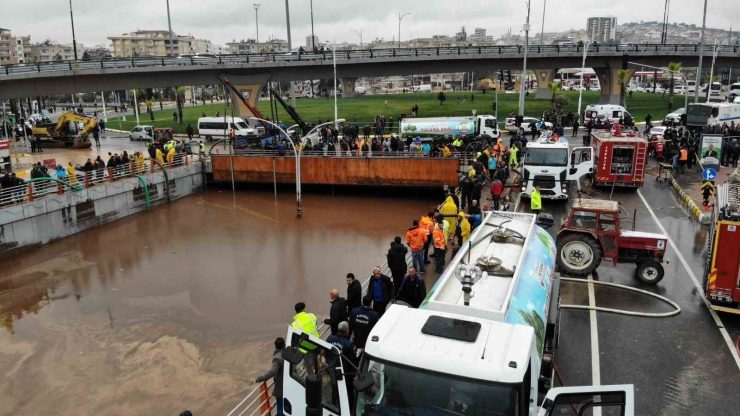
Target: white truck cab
[(481, 343), (551, 165)]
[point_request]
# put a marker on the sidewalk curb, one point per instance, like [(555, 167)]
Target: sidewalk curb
[(696, 212)]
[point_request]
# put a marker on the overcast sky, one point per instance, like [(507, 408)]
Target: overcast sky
[(220, 21)]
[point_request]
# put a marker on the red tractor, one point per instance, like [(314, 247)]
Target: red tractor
[(592, 232)]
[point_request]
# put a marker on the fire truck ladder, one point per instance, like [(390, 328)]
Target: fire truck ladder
[(640, 161), (305, 128), (254, 110)]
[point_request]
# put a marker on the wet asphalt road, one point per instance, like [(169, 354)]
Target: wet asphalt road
[(679, 365)]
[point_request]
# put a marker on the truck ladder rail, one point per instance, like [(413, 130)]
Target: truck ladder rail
[(323, 330), (291, 112), (640, 157)]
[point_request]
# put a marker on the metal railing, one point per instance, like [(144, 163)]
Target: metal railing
[(254, 401), (346, 55), (29, 192), (352, 154)]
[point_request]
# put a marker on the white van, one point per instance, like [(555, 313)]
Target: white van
[(219, 127), (690, 87), (423, 88), (360, 91), (609, 111), (734, 91)]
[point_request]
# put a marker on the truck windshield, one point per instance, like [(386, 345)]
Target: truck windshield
[(401, 390), (700, 110), (546, 157)]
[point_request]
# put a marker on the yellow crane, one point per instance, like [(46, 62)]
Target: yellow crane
[(61, 133)]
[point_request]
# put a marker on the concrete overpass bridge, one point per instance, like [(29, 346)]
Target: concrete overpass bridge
[(250, 72)]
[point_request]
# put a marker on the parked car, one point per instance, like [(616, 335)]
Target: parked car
[(511, 127), (674, 117), (141, 133)]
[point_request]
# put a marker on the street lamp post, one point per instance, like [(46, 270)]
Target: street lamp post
[(360, 34), (169, 25), (542, 33), (400, 16), (290, 48), (701, 55), (74, 40), (685, 80), (313, 37), (522, 90), (257, 23), (583, 69)]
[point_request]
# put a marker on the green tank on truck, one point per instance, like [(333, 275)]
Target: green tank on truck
[(479, 125), (482, 342)]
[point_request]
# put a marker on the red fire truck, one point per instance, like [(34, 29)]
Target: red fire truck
[(620, 160), (722, 270)]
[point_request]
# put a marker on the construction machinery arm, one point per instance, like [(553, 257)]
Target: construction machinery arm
[(89, 123), (246, 103), (305, 128)]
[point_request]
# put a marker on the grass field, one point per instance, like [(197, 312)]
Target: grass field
[(365, 108)]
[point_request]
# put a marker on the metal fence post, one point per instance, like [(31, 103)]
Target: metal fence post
[(30, 192)]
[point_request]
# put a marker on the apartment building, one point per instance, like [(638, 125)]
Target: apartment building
[(49, 50), (601, 29), (152, 43), (251, 46), (7, 47), (22, 49)]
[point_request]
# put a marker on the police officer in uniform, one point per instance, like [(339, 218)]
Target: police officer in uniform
[(362, 320)]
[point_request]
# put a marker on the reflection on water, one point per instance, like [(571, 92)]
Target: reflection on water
[(180, 302)]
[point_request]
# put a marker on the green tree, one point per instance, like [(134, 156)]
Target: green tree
[(86, 56), (441, 97), (673, 67), (58, 57), (149, 105), (623, 77), (554, 88)]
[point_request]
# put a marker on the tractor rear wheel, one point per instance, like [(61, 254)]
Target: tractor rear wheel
[(578, 254), (650, 271)]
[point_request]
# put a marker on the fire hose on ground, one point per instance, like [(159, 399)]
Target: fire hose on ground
[(619, 311)]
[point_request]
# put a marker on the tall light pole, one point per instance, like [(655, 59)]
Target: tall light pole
[(400, 16), (257, 23), (74, 40), (583, 69), (523, 88), (169, 25), (542, 32), (685, 80), (701, 56), (313, 37), (359, 33), (290, 48)]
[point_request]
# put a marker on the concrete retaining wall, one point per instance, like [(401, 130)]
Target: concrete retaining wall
[(57, 216)]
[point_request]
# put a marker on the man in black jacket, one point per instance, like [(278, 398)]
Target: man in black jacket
[(466, 185), (380, 289), (338, 311), (397, 262), (413, 290), (354, 293)]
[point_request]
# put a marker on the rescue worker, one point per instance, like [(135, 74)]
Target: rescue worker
[(72, 174), (449, 210), (427, 224), (362, 320), (513, 157), (139, 157), (304, 321), (202, 146), (416, 238), (171, 156), (536, 201), (682, 159), (464, 227), (457, 144), (159, 156), (446, 151), (412, 290), (276, 372), (440, 247), (445, 228)]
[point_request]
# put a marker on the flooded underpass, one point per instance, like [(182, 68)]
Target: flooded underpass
[(177, 307)]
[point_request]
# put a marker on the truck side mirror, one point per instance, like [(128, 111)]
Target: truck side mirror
[(573, 159), (363, 382), (292, 355)]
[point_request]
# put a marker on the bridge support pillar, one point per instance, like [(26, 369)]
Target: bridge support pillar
[(544, 77), (250, 87), (348, 87), (610, 82)]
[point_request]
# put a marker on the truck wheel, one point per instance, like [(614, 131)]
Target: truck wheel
[(578, 254), (650, 271)]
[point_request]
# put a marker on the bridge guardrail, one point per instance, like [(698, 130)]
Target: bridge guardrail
[(345, 55)]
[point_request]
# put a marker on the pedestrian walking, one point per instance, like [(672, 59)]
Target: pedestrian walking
[(380, 290), (361, 322), (412, 289), (415, 238), (397, 261), (575, 128), (337, 312), (189, 131), (276, 372), (536, 201), (96, 136), (354, 293)]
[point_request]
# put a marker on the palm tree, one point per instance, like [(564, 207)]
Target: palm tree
[(673, 68), (623, 77), (180, 98), (554, 88)]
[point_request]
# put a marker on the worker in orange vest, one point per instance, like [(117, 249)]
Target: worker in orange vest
[(415, 238), (440, 247), (682, 159), (427, 224)]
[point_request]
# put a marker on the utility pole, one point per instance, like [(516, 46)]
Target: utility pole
[(359, 33), (523, 86), (169, 25), (701, 56), (74, 40), (542, 32), (257, 23), (400, 16), (313, 37), (290, 48)]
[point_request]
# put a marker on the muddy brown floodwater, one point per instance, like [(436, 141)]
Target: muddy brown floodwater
[(177, 308)]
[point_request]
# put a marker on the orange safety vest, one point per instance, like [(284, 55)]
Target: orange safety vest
[(416, 238), (426, 224), (684, 155), (439, 239)]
